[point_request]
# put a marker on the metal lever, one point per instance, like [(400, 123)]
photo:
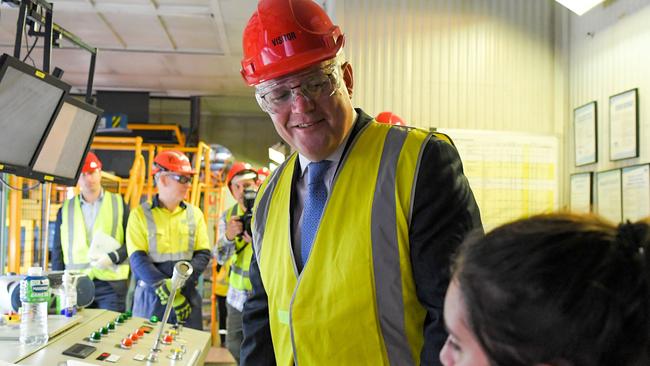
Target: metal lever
[(182, 271)]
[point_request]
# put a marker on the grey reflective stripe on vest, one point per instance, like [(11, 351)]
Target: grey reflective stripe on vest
[(262, 209), (153, 243), (385, 253), (239, 271), (417, 169), (71, 205), (114, 204)]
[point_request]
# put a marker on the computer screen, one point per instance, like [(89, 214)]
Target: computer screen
[(28, 100), (65, 146)]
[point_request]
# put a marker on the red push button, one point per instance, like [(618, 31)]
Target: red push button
[(126, 343), (134, 337), (168, 339), (139, 332)]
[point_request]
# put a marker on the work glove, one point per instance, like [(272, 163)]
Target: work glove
[(163, 291), (182, 307), (102, 261)]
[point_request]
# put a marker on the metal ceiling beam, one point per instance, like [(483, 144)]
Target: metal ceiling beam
[(220, 28)]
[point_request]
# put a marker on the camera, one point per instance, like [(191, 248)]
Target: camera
[(249, 201)]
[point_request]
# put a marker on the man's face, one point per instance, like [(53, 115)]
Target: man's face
[(239, 186), (313, 125), (90, 183), (173, 187)]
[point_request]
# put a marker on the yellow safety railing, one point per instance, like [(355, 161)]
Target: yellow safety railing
[(138, 181), (180, 136)]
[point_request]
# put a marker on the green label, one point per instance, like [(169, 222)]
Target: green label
[(38, 290)]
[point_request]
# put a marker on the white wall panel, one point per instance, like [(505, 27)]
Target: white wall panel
[(455, 64), (610, 53)]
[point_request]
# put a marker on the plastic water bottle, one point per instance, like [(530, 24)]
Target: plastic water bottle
[(69, 295), (34, 295)]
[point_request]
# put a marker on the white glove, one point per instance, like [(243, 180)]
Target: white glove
[(102, 262)]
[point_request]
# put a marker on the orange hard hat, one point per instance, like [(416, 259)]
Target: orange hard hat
[(91, 163), (390, 118), (172, 161), (242, 169), (284, 36)]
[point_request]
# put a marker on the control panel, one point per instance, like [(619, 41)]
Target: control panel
[(107, 338)]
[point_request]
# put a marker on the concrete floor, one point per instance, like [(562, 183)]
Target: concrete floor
[(219, 356)]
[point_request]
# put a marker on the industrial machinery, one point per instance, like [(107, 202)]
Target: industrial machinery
[(102, 337)]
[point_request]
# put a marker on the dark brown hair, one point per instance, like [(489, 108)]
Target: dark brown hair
[(559, 289)]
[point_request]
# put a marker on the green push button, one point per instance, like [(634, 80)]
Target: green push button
[(154, 319), (95, 336), (103, 330), (119, 320), (110, 326), (128, 314)]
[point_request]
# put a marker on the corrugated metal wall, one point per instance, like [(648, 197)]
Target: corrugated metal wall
[(452, 63), (610, 53)]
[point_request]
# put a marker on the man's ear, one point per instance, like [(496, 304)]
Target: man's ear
[(348, 77)]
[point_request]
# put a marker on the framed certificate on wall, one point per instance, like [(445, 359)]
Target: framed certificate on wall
[(585, 134), (609, 201), (624, 125), (636, 192), (581, 197)]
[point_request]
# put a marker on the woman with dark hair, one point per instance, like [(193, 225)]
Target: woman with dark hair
[(556, 290)]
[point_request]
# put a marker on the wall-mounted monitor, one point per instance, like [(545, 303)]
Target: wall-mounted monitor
[(29, 98), (66, 143)]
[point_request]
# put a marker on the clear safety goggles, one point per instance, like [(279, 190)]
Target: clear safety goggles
[(276, 96), (182, 179)]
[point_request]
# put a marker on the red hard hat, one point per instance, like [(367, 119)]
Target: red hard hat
[(284, 36), (390, 118), (172, 161), (263, 171), (91, 164), (240, 168)]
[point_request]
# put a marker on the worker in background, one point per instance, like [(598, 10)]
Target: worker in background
[(390, 118), (161, 233), (89, 237), (353, 233), (234, 245)]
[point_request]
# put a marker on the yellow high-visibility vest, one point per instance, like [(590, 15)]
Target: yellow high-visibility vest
[(355, 302), (241, 259), (75, 243)]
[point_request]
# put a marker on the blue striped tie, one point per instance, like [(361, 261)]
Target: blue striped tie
[(314, 204)]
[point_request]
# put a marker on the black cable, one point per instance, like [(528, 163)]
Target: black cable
[(2, 180), (30, 49)]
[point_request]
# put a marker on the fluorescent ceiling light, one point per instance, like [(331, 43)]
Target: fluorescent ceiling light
[(579, 6)]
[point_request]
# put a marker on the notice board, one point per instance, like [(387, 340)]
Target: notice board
[(512, 174)]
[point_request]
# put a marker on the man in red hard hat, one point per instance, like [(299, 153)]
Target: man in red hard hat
[(89, 237), (162, 232), (353, 234), (234, 245)]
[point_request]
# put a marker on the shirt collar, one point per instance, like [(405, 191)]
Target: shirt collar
[(83, 200), (335, 157), (155, 202)]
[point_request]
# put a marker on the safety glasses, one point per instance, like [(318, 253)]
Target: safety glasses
[(182, 179), (276, 96)]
